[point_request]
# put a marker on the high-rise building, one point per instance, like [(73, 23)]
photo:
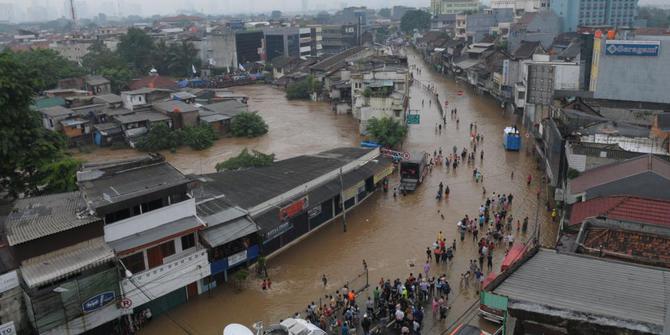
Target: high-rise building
[(578, 13), (520, 6), (442, 7)]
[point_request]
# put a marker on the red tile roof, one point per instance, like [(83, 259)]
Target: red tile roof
[(153, 82), (632, 209), (612, 172)]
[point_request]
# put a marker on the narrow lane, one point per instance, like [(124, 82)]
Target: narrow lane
[(390, 234)]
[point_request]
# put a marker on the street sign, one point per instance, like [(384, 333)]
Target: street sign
[(405, 155), (126, 303), (413, 119)]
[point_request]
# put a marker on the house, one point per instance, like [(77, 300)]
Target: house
[(97, 85), (542, 26), (110, 100), (283, 65), (143, 97), (64, 259), (182, 114), (567, 293), (219, 115), (622, 208), (139, 123), (150, 224), (644, 176), (51, 117), (186, 97), (105, 134), (378, 92)]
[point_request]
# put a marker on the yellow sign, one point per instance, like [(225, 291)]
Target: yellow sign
[(595, 62), (382, 174), (352, 191)]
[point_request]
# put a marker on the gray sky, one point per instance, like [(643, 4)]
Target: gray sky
[(20, 10)]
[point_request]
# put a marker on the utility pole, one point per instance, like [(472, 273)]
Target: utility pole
[(344, 210)]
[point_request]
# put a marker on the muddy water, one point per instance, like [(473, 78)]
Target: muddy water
[(388, 233), (295, 127)]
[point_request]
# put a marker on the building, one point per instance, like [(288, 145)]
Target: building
[(446, 22), (182, 114), (379, 92), (150, 223), (97, 85), (218, 48), (630, 70), (622, 208), (542, 26), (645, 176), (397, 12), (441, 7), (142, 98), (337, 38), (219, 115), (249, 46), (69, 277), (477, 26), (553, 292), (579, 13), (521, 6), (72, 50), (300, 42)]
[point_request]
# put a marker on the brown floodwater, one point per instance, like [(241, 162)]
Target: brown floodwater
[(295, 128), (390, 234)]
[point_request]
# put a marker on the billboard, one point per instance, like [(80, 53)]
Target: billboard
[(632, 48)]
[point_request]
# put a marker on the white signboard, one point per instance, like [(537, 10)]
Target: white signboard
[(237, 258), (7, 328), (8, 281)]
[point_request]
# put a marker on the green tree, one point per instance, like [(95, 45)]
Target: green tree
[(45, 67), (59, 176), (102, 61), (29, 153), (136, 49), (415, 19), (248, 124), (385, 13), (182, 57), (303, 89), (246, 159), (161, 137), (386, 131), (119, 77), (199, 137)]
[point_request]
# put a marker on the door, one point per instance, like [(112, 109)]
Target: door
[(192, 289)]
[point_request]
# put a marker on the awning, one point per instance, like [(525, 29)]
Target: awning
[(229, 231), (156, 235), (55, 265)]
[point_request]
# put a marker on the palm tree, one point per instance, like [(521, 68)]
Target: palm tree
[(182, 56)]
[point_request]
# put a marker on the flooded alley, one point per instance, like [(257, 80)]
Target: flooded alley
[(391, 234)]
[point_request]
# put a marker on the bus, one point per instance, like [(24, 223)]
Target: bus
[(413, 170)]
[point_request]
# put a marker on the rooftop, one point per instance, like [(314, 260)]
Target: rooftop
[(57, 111), (579, 287), (114, 182), (616, 171), (250, 187), (526, 49), (153, 82), (37, 217), (96, 80), (141, 116), (174, 106), (337, 60), (632, 209), (108, 98), (227, 107)]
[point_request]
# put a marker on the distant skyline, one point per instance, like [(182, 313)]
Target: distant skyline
[(27, 10)]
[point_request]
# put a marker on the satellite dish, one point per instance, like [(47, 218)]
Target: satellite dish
[(237, 329)]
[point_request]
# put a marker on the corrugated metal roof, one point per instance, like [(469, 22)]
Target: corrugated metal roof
[(632, 209), (37, 217), (229, 231), (608, 290), (147, 237), (61, 263)]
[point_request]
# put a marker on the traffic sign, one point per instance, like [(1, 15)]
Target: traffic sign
[(126, 303), (413, 119), (405, 155)]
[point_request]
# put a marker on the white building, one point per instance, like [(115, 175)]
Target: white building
[(378, 93)]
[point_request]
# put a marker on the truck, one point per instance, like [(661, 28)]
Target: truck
[(413, 171)]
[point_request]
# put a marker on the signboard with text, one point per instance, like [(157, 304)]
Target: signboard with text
[(98, 301), (293, 209), (8, 281), (632, 48), (413, 119), (237, 258), (8, 328)]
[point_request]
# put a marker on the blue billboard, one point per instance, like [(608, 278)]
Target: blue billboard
[(632, 48), (98, 301)]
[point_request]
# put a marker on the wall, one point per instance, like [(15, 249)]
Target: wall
[(152, 219), (221, 48)]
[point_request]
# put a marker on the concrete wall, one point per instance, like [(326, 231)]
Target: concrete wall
[(220, 47)]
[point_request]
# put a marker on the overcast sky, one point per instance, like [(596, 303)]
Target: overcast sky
[(88, 8)]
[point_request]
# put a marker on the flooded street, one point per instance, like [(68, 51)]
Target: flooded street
[(295, 128), (390, 234)]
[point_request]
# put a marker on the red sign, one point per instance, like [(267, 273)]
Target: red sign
[(292, 209), (459, 93), (446, 103), (126, 303)]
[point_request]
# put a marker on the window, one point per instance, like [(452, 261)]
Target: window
[(135, 262), (188, 241), (151, 205), (521, 95)]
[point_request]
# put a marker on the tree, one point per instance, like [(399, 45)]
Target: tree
[(59, 176), (385, 13), (102, 61), (246, 160), (415, 19), (303, 89), (386, 131), (161, 137), (31, 157), (136, 49), (248, 124), (199, 137), (183, 57), (45, 67)]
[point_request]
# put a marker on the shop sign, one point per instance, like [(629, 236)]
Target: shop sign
[(293, 209), (632, 48), (352, 191), (98, 301), (8, 281), (7, 328), (279, 230), (237, 258), (314, 212)]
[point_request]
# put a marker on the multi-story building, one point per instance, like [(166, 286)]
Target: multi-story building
[(379, 92), (218, 48), (248, 46), (293, 42), (577, 13), (337, 38), (441, 7), (73, 50), (149, 221), (521, 6)]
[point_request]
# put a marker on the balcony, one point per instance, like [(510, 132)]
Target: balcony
[(161, 280)]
